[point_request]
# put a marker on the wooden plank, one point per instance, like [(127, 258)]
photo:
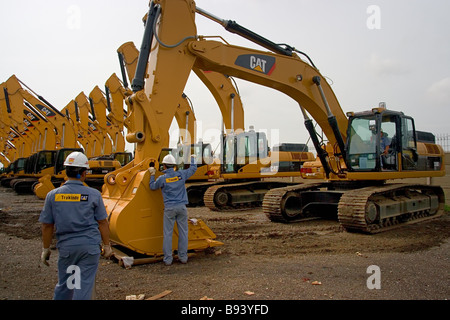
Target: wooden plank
[(160, 295)]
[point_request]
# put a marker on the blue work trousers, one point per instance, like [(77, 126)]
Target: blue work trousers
[(179, 215), (77, 267)]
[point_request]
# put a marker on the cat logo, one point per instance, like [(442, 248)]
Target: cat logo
[(256, 62), (44, 109)]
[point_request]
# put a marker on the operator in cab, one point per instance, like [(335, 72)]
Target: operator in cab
[(78, 214), (172, 184)]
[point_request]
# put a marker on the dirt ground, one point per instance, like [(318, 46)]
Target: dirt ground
[(260, 260)]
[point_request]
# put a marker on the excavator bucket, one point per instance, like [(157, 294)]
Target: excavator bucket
[(44, 186), (135, 214)]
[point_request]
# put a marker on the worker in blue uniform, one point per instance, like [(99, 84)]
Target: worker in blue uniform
[(172, 184), (78, 216)]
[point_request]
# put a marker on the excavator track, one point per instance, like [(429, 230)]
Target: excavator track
[(377, 209), (275, 201), (366, 209), (196, 191), (239, 196)]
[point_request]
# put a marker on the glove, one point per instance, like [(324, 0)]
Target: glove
[(45, 256), (107, 251), (152, 171)]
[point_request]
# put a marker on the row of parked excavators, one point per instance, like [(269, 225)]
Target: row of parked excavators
[(360, 153), (37, 137)]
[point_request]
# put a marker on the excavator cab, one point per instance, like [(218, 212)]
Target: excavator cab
[(242, 149), (381, 140), (123, 157), (44, 159), (202, 151), (19, 166), (16, 168), (51, 180)]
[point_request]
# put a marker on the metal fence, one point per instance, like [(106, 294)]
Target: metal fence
[(443, 139)]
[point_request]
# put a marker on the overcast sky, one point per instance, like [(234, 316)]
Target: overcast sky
[(396, 51)]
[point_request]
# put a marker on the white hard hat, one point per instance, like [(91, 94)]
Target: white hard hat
[(169, 159), (77, 159)]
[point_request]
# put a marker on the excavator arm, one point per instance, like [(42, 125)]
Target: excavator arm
[(220, 86), (100, 142), (66, 135), (99, 106), (285, 72), (13, 115)]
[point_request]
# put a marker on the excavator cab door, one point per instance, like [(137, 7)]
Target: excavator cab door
[(45, 159), (362, 143), (398, 145), (19, 165), (229, 153), (409, 145)]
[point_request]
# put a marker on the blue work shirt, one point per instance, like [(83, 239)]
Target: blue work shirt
[(384, 142), (74, 209), (172, 184)]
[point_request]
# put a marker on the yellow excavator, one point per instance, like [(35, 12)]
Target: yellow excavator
[(185, 118), (13, 157), (24, 107), (98, 167), (43, 170), (41, 161), (359, 163), (356, 169), (249, 173), (9, 153), (57, 137), (126, 190), (368, 148), (15, 124)]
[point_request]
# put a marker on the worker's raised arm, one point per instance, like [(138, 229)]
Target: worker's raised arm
[(155, 183), (191, 170)]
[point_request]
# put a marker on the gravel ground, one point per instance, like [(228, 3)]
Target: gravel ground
[(260, 260)]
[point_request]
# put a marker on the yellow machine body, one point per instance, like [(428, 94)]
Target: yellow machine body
[(135, 212)]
